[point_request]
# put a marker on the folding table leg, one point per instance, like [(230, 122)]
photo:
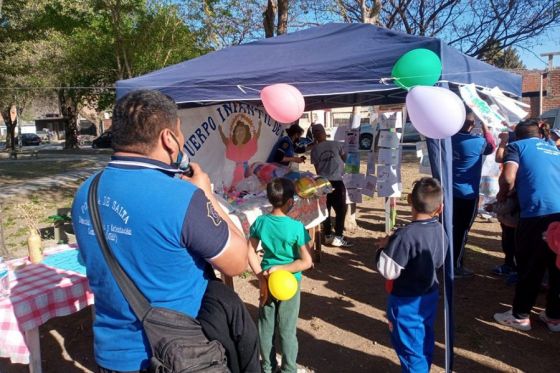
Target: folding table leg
[(34, 346)]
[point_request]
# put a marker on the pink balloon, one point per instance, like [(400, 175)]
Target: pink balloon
[(435, 112), (283, 102)]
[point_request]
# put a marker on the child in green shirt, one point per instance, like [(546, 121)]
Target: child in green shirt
[(286, 246)]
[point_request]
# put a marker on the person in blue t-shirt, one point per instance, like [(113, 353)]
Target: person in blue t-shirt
[(468, 150), (408, 260), (167, 231), (285, 149), (532, 167)]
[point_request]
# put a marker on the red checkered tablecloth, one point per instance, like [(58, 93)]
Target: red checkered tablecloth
[(38, 293)]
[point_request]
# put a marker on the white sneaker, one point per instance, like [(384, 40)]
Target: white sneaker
[(329, 239), (553, 324), (508, 319), (339, 241)]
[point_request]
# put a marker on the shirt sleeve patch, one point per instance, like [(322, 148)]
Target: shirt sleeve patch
[(512, 153), (387, 267), (204, 232)]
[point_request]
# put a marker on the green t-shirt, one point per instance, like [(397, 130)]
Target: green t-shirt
[(281, 237)]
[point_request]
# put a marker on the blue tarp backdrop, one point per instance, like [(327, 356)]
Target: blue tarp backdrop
[(332, 65)]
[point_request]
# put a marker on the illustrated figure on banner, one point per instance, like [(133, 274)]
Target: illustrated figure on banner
[(241, 145)]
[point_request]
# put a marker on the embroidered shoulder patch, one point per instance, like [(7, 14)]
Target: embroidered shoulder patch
[(213, 214)]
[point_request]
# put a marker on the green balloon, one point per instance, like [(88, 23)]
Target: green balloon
[(417, 67)]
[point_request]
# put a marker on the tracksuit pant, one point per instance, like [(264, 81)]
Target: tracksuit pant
[(279, 318), (411, 323), (337, 200), (533, 257), (508, 245), (464, 213)]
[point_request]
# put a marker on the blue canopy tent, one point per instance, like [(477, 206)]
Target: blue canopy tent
[(332, 65)]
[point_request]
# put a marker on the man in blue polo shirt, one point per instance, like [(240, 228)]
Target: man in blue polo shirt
[(285, 149), (165, 231), (468, 150), (532, 168)]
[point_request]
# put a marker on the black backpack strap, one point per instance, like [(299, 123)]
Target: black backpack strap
[(134, 297)]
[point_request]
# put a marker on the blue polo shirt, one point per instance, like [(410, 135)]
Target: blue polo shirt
[(162, 230), (284, 147), (467, 163), (412, 256), (538, 177)]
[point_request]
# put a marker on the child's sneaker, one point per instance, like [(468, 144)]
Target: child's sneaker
[(553, 324), (339, 241), (508, 319)]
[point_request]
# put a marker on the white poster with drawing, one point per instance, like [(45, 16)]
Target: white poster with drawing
[(387, 188), (369, 185), (387, 173), (389, 139), (480, 107), (352, 140), (389, 120), (388, 156), (355, 195), (353, 181)]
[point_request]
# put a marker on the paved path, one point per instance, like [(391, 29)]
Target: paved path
[(63, 180)]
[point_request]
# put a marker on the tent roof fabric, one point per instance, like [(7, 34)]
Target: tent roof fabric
[(332, 65)]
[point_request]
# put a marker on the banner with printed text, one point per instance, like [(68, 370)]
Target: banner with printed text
[(226, 139)]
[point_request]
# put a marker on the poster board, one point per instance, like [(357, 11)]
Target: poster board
[(223, 158)]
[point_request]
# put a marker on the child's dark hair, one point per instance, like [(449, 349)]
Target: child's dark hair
[(279, 191), (426, 195)]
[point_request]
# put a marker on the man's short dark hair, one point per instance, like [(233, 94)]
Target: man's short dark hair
[(527, 129), (279, 191), (426, 195), (138, 119), (293, 129)]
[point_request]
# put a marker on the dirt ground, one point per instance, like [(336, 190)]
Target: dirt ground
[(342, 325)]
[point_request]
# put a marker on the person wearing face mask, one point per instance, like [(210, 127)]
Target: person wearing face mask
[(468, 150), (167, 233), (286, 246), (284, 151)]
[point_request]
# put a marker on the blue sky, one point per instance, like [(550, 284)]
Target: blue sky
[(547, 43)]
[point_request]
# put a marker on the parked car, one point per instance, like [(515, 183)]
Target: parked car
[(103, 141), (30, 139)]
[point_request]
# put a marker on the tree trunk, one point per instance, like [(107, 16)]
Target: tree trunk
[(282, 17), (10, 128), (268, 19), (68, 109), (371, 15)]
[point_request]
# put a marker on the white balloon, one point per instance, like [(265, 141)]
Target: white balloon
[(435, 112)]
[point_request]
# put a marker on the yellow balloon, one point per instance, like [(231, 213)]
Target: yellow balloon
[(282, 284)]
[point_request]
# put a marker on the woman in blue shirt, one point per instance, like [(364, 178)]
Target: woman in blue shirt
[(532, 167)]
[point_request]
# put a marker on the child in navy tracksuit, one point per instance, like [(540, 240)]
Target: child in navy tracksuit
[(408, 259)]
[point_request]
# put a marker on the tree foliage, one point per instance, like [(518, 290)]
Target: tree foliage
[(79, 48), (472, 26)]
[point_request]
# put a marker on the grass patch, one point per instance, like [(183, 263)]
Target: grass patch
[(11, 171)]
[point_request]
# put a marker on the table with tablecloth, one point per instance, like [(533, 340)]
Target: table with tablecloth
[(39, 292), (310, 211)]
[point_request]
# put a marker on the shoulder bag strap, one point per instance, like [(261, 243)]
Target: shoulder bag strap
[(134, 297)]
